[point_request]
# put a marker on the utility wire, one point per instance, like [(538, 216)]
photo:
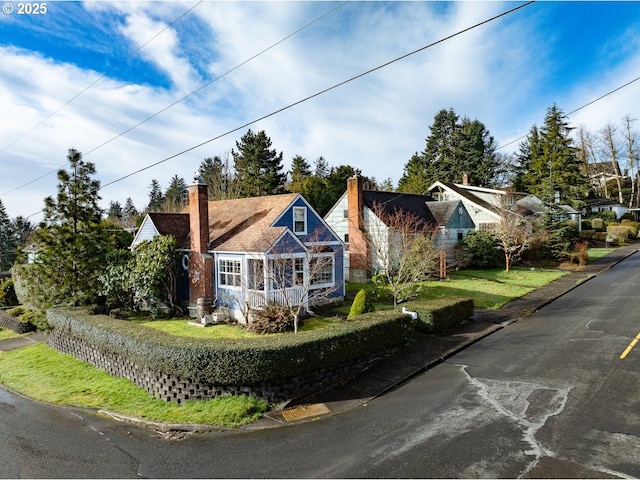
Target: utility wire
[(577, 109), (64, 105), (202, 87), (322, 92)]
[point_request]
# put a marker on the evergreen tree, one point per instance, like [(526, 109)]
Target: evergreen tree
[(72, 245), (321, 167), (550, 163), (22, 229), (115, 210), (300, 168), (7, 240), (414, 178), (175, 198), (218, 175), (258, 167), (156, 198), (454, 147), (129, 210)]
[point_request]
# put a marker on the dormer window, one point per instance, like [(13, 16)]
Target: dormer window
[(300, 220)]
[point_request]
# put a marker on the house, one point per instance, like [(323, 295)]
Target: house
[(239, 254), (601, 204), (360, 215), (482, 204)]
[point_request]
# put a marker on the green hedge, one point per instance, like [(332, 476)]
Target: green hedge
[(247, 361), (437, 315), (16, 322)]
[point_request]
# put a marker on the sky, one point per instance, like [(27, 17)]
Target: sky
[(147, 90)]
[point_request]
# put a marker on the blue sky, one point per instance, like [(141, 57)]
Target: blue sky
[(138, 58)]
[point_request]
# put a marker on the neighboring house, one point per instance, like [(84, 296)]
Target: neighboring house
[(601, 204), (232, 249), (353, 215), (532, 205), (600, 173), (482, 204)]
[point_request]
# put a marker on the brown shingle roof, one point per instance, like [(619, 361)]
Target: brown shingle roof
[(176, 224), (243, 224)]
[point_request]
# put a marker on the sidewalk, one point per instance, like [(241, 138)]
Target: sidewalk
[(430, 350)]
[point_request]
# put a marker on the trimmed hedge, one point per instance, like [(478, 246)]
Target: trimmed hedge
[(437, 315), (247, 361), (361, 304), (18, 325)]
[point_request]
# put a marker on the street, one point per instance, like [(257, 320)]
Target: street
[(548, 396)]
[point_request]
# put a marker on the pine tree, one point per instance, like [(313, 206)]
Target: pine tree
[(414, 178), (156, 198), (72, 245), (115, 210), (550, 165), (175, 198), (7, 240), (218, 175), (258, 167)]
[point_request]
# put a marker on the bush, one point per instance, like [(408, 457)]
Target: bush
[(479, 250), (361, 304), (597, 224), (228, 361), (587, 234), (440, 314), (272, 318), (8, 294), (621, 233)]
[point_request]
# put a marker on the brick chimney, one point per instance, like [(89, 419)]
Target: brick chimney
[(358, 246), (200, 262), (465, 179)]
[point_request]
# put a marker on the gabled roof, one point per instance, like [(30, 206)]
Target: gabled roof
[(601, 201), (176, 224), (467, 195), (391, 202), (442, 211), (244, 224)]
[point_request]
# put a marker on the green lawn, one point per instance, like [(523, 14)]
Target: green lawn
[(595, 253), (7, 333), (44, 374), (40, 372)]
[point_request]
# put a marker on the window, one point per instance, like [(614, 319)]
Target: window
[(229, 272), (256, 274), (298, 271), (345, 213), (346, 238), (299, 220), (321, 267), (460, 236)]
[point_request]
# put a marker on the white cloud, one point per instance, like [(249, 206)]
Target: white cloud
[(496, 73)]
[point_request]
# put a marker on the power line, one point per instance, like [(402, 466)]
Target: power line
[(64, 105), (577, 109), (322, 92), (202, 87)]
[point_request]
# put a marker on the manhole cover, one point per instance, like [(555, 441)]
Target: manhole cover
[(304, 411)]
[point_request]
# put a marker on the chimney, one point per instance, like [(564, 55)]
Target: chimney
[(358, 247), (465, 179), (200, 262)]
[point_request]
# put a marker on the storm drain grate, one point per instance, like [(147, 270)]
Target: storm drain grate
[(304, 411)]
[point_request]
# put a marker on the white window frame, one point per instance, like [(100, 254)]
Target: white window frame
[(325, 284), (224, 273), (303, 211)]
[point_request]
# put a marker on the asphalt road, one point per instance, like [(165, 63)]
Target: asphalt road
[(548, 396)]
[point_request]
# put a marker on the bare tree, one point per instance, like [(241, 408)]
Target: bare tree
[(632, 147), (515, 233), (610, 147), (402, 249), (587, 155)]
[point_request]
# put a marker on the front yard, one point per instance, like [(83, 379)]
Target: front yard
[(42, 373)]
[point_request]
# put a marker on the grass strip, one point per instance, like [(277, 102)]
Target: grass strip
[(42, 373)]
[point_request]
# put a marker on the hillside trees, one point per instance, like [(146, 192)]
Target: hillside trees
[(7, 240)]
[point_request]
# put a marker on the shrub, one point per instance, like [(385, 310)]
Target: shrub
[(597, 224), (621, 233), (586, 224), (587, 234), (8, 294), (361, 304), (440, 314), (580, 253), (272, 318), (479, 250)]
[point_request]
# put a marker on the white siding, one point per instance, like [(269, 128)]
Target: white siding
[(147, 231)]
